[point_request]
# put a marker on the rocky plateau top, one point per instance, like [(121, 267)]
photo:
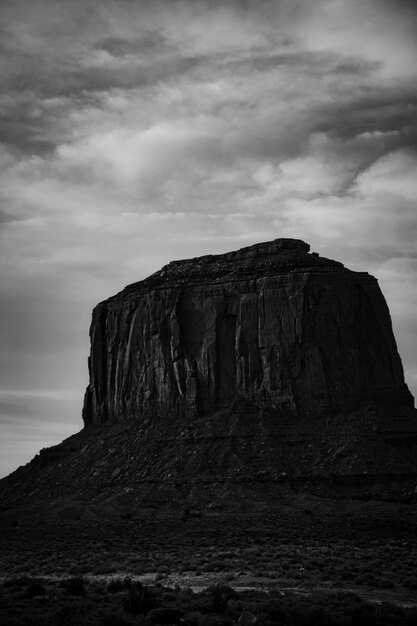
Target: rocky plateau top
[(260, 260)]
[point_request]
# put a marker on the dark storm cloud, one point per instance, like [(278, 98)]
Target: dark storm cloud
[(24, 125), (148, 43), (319, 63), (39, 94), (378, 112), (73, 81)]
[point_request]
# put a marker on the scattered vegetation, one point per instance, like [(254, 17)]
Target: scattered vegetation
[(138, 599), (127, 603), (75, 586), (116, 572)]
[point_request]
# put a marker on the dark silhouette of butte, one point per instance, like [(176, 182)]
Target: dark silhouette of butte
[(246, 374)]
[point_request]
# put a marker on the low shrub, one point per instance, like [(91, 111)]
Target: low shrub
[(75, 586), (220, 596), (138, 599), (18, 583), (36, 588), (115, 585)]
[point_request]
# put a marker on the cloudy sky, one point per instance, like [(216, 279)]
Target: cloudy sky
[(133, 133)]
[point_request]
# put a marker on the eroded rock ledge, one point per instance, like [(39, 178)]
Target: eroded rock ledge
[(274, 324)]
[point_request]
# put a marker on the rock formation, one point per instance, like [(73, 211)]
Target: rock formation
[(237, 378), (271, 323)]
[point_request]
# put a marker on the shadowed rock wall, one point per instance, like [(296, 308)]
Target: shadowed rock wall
[(271, 323)]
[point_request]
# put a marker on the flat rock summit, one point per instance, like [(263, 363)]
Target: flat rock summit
[(239, 376)]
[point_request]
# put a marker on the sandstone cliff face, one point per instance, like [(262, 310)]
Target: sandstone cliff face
[(272, 324)]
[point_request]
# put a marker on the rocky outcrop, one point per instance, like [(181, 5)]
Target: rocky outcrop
[(236, 379), (298, 335)]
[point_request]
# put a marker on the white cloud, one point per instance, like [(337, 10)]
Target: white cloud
[(394, 174), (379, 31)]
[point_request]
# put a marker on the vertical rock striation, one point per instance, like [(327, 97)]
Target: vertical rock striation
[(272, 323)]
